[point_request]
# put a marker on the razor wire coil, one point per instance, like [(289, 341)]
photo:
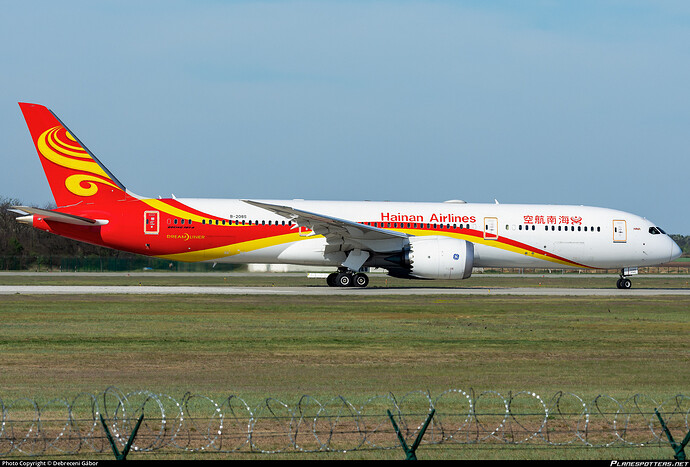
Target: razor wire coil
[(198, 423)]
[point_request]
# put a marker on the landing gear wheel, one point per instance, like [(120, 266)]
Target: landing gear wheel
[(624, 283), (361, 280), (330, 280), (343, 279)]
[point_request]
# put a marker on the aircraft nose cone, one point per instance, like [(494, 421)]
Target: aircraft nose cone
[(675, 251)]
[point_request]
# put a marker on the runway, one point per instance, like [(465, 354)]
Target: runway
[(326, 291)]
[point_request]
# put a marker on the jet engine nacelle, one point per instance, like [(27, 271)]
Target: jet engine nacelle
[(436, 257)]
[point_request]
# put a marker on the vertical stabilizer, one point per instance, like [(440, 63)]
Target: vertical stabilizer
[(73, 172)]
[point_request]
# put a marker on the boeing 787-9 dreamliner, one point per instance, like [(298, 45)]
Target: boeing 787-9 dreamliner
[(408, 239)]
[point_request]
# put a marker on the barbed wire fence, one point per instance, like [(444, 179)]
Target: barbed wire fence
[(198, 423)]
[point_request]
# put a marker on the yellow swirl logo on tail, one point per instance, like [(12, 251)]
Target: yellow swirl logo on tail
[(59, 147)]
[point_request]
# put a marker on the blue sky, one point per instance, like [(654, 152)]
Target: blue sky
[(549, 102)]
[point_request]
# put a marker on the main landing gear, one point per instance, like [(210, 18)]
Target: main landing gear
[(345, 278)]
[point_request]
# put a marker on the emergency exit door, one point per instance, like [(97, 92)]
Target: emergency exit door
[(151, 224)]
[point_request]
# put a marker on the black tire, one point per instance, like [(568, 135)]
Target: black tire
[(330, 280), (343, 279), (626, 283), (361, 280)]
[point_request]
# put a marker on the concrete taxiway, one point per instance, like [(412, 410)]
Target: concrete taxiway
[(320, 291)]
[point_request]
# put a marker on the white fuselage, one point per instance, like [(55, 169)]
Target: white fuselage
[(503, 235)]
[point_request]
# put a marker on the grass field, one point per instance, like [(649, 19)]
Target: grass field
[(358, 347)]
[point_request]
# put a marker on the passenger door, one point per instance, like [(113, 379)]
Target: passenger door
[(620, 231), (490, 228), (151, 225)]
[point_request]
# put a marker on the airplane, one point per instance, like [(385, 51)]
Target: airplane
[(416, 240)]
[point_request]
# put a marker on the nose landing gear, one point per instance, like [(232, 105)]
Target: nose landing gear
[(624, 282), (346, 278)]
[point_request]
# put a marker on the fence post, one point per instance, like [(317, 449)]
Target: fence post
[(121, 456), (410, 451), (679, 448)]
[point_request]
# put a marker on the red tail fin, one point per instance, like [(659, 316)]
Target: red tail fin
[(74, 174)]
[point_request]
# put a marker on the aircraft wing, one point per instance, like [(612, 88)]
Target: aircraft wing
[(331, 227), (58, 216)]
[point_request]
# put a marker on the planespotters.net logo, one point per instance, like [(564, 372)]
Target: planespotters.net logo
[(648, 464)]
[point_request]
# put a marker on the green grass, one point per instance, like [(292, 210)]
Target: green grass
[(358, 347), (286, 346)]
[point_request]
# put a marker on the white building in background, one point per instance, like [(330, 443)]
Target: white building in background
[(286, 268)]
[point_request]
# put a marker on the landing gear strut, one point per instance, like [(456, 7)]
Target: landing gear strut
[(345, 278)]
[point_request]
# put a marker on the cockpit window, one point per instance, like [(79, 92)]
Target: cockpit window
[(661, 230), (655, 230)]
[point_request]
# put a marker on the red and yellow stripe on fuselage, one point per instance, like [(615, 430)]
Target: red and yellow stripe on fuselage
[(189, 234)]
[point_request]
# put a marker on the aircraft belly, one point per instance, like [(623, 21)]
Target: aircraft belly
[(304, 252), (557, 256), (311, 252)]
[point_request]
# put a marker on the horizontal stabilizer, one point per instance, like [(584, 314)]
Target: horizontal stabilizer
[(48, 215)]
